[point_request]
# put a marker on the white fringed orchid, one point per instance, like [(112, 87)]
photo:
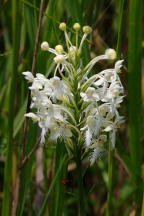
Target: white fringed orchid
[(74, 104)]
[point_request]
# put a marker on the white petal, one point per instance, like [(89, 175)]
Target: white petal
[(33, 116), (29, 76), (99, 81), (40, 76), (98, 153), (88, 137), (43, 133), (36, 85), (108, 128), (118, 65)]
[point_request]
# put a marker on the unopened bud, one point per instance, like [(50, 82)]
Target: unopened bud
[(111, 53), (62, 26), (76, 26), (59, 49), (59, 59), (87, 29), (45, 46)]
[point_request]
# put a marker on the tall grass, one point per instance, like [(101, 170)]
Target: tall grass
[(122, 180), (16, 29), (134, 87)]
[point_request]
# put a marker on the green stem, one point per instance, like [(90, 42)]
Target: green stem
[(110, 172), (76, 40), (81, 192), (78, 152)]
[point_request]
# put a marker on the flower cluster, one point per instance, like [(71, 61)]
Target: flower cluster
[(75, 102)]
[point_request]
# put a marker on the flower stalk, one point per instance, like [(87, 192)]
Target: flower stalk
[(81, 191)]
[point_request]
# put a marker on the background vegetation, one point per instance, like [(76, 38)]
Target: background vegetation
[(47, 184)]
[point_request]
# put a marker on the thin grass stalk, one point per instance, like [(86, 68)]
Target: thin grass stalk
[(8, 163), (110, 175), (120, 28), (134, 92)]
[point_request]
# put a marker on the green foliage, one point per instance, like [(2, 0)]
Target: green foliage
[(134, 87)]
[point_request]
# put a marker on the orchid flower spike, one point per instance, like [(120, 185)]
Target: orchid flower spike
[(73, 105)]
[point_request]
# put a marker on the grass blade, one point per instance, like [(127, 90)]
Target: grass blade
[(134, 69), (27, 170), (16, 8), (134, 89), (41, 213), (121, 28), (58, 191)]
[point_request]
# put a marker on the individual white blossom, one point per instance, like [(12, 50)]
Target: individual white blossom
[(90, 95), (71, 102)]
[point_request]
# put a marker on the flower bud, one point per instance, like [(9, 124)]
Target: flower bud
[(87, 29), (76, 26), (62, 26), (59, 49), (45, 46), (59, 59), (111, 53)]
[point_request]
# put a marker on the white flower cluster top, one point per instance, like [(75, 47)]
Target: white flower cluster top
[(73, 104)]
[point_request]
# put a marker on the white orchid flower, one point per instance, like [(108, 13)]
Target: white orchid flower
[(90, 95)]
